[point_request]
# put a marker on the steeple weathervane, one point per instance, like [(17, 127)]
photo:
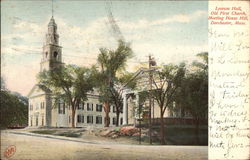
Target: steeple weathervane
[(52, 8)]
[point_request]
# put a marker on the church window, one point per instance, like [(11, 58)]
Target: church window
[(114, 121), (98, 107), (46, 54), (114, 109), (79, 106), (42, 120), (61, 108), (36, 120), (55, 54), (98, 119), (89, 119), (89, 107), (80, 118)]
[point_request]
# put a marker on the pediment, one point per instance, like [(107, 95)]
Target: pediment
[(38, 90)]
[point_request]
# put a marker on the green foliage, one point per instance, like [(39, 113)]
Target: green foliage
[(124, 80), (166, 82), (69, 134), (69, 83), (3, 85), (202, 66), (44, 131), (193, 94), (111, 62), (183, 134), (58, 133), (14, 109), (143, 97)]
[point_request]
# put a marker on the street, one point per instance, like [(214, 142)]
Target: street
[(34, 147)]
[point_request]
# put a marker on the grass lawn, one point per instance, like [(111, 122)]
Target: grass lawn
[(58, 133), (44, 131), (183, 134), (174, 134)]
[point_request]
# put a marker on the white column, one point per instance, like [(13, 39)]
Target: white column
[(125, 110)]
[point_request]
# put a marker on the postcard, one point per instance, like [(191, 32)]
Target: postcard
[(121, 80)]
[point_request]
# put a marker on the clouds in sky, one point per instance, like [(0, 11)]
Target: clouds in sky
[(21, 50), (179, 18)]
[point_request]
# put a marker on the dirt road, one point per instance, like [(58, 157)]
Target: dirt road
[(34, 147)]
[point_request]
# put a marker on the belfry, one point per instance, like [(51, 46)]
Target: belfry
[(52, 52)]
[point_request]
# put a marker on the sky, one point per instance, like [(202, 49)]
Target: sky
[(170, 31)]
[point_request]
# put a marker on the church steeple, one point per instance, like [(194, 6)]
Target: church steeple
[(52, 37), (52, 52)]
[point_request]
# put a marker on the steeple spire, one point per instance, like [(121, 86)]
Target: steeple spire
[(52, 51), (52, 8), (52, 36)]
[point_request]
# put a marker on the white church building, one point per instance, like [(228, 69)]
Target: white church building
[(42, 113), (41, 110)]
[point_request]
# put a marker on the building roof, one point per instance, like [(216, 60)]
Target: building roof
[(41, 87), (52, 22)]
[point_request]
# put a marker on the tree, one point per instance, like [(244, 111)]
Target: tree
[(193, 94), (13, 110), (69, 83), (125, 80), (165, 83), (3, 85), (111, 62)]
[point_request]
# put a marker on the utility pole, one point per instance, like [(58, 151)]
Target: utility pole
[(151, 63), (150, 98)]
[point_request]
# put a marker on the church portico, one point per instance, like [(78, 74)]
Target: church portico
[(130, 109)]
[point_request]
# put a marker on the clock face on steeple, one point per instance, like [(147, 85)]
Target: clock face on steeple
[(52, 52)]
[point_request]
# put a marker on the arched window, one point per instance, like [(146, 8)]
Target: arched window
[(46, 54), (55, 54)]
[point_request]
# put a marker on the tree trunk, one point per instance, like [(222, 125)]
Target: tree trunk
[(162, 133), (197, 122), (117, 118), (106, 109), (73, 117)]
